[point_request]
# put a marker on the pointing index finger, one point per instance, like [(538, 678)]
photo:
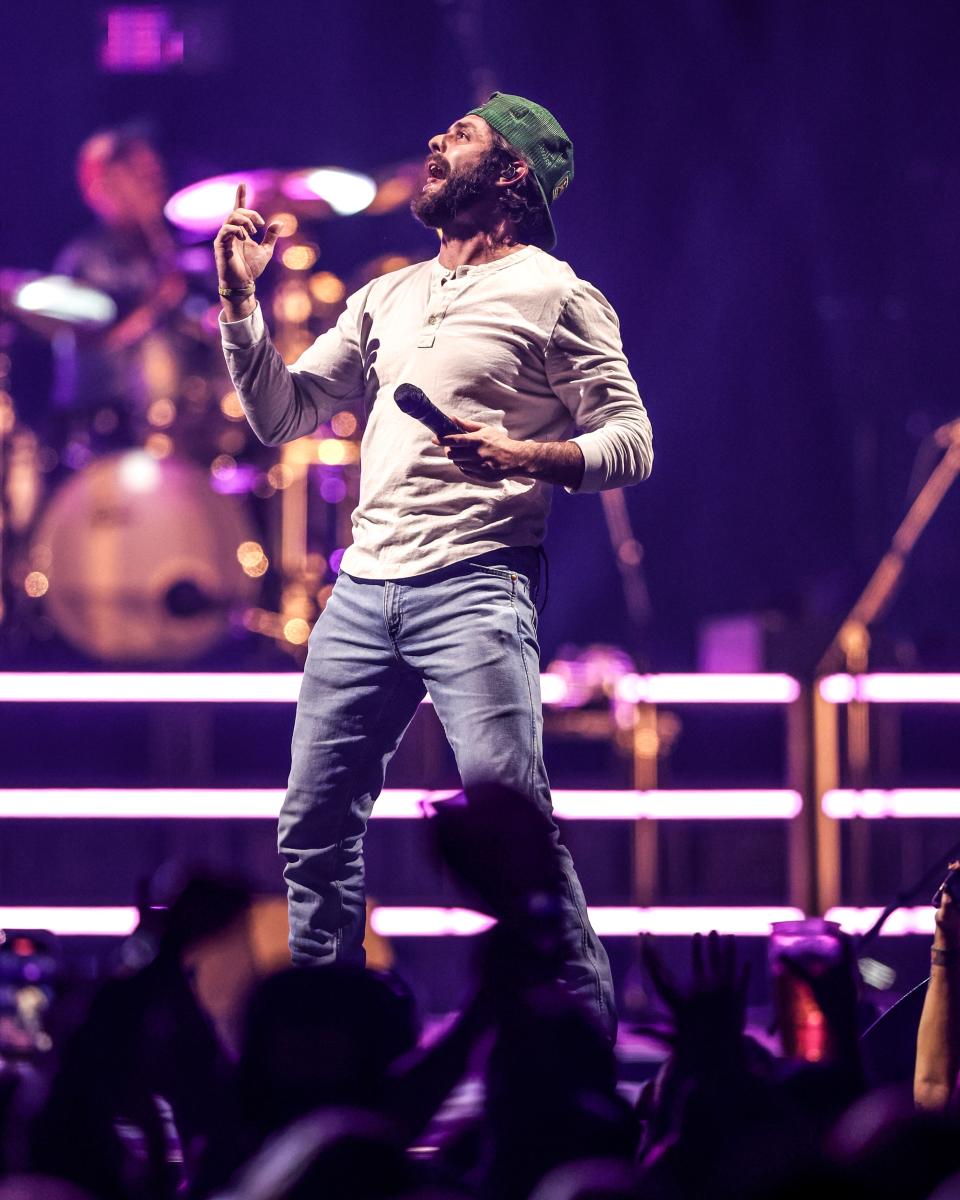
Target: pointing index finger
[(241, 196)]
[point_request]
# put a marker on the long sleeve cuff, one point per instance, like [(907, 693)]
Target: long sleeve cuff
[(595, 469), (241, 335)]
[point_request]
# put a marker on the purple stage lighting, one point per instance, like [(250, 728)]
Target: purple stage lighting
[(891, 688), (428, 921), (140, 39), (259, 687), (708, 689), (246, 804), (874, 803)]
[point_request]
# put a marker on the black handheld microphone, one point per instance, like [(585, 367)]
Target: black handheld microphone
[(411, 400)]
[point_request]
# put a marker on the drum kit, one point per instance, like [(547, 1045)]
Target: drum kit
[(154, 533)]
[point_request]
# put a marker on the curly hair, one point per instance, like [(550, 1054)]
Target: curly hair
[(521, 204)]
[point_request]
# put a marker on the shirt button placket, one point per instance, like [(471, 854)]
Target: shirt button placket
[(428, 334)]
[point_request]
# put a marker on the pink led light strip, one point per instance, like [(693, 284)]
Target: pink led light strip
[(278, 687), (607, 921), (131, 687), (771, 804), (282, 688), (397, 922), (873, 803), (661, 921), (708, 689), (891, 689), (72, 921), (398, 804)]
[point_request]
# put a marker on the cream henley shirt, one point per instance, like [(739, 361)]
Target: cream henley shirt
[(519, 343)]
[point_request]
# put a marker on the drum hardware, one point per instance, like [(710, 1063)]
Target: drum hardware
[(137, 555), (146, 553), (143, 561), (52, 304), (303, 303), (325, 464), (313, 193), (20, 486)]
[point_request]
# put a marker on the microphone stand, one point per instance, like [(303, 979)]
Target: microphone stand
[(629, 555), (929, 878), (850, 646)]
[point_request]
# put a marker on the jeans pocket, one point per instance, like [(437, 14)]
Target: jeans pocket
[(500, 572)]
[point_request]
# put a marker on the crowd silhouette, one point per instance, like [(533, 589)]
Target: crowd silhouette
[(329, 1092)]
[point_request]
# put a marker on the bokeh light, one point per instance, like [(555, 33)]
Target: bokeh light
[(224, 466), (158, 445), (139, 472), (287, 221), (162, 413), (249, 553), (252, 560), (231, 407), (331, 452), (296, 631), (36, 585), (280, 476), (292, 303), (344, 424), (327, 288), (299, 258), (333, 489)]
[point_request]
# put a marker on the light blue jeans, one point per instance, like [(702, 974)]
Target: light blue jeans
[(467, 634)]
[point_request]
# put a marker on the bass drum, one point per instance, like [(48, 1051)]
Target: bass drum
[(142, 560)]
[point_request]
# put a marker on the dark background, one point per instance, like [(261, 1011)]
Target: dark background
[(768, 192)]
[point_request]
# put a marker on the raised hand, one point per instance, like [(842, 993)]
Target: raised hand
[(240, 258), (948, 917), (709, 1014)]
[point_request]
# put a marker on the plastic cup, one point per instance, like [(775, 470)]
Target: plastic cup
[(814, 945)]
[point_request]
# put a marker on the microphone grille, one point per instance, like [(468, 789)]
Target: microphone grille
[(409, 398)]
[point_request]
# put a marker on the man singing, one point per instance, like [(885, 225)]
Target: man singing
[(436, 591)]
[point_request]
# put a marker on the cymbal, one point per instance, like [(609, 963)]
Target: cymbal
[(203, 206), (312, 192), (51, 304)]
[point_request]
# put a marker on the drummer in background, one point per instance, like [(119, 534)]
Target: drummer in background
[(105, 382)]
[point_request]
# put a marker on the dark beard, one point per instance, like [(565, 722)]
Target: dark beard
[(442, 205)]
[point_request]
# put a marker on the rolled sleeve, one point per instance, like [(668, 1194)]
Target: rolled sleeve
[(588, 371)]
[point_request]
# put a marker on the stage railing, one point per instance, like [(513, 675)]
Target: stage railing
[(815, 797), (842, 756), (634, 708)]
